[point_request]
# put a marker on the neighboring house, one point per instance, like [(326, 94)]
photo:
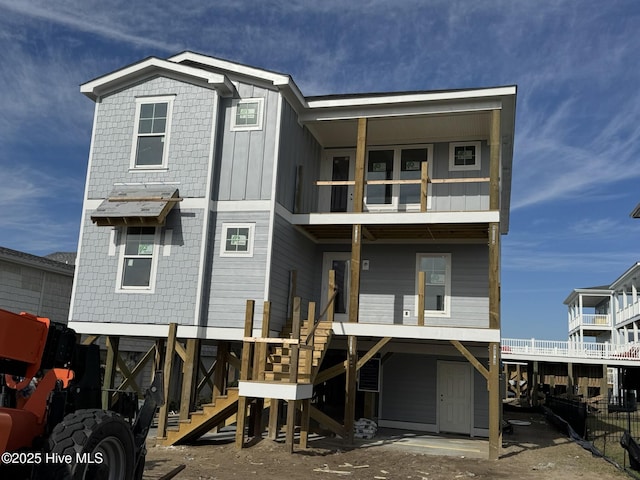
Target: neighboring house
[(36, 285), (210, 181), (609, 313)]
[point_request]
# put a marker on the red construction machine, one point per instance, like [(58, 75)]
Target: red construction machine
[(52, 425)]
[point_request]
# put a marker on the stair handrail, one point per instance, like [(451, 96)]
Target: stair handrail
[(316, 321)]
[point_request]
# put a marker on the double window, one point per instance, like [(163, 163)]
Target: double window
[(437, 279), (395, 163), (151, 137)]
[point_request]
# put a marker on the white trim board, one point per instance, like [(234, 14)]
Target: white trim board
[(282, 391), (162, 331), (462, 334)]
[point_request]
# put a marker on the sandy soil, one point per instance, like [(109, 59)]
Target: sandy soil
[(535, 451)]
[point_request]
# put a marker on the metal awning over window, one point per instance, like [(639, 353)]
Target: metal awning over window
[(137, 205)]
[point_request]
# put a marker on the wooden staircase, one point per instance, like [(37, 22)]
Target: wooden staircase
[(278, 367), (211, 415)]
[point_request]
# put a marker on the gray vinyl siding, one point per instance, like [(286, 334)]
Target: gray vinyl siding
[(298, 148), (174, 299), (459, 196), (234, 280), (244, 159), (292, 251), (409, 389), (189, 138), (36, 291), (389, 286)]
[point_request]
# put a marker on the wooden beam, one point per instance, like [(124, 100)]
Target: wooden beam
[(206, 376), (326, 421), (220, 371), (127, 376), (272, 432), (304, 425), (168, 368), (112, 344), (494, 161), (330, 295), (359, 176), (472, 360), (189, 377), (424, 185), (495, 402), (244, 374), (181, 351), (340, 368), (90, 339), (134, 372), (494, 276), (354, 284), (367, 234), (293, 374)]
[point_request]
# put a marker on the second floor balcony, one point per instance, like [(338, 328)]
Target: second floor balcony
[(590, 321)]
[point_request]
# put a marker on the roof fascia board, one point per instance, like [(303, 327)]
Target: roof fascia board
[(230, 66), (412, 97), (380, 111), (95, 88), (629, 274)]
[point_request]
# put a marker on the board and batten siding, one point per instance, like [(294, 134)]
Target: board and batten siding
[(234, 280), (244, 159), (298, 149), (459, 196), (174, 298), (410, 391), (189, 138), (292, 251), (389, 286)]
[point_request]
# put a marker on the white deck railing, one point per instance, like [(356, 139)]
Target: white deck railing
[(552, 348), (590, 320), (627, 313)]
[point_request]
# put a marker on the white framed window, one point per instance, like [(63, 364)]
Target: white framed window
[(151, 132), (396, 163), (464, 156), (246, 114), (138, 259), (437, 292), (237, 239)]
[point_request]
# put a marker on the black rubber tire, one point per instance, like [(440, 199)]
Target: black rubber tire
[(103, 437)]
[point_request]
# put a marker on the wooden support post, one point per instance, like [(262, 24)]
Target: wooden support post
[(424, 185), (421, 292), (361, 152), (494, 275), (518, 381), (332, 287), (352, 341), (293, 374), (220, 371), (259, 366), (534, 384), (189, 377), (604, 383), (570, 380), (112, 344), (494, 161), (245, 366), (304, 426), (168, 367), (495, 402), (272, 434)]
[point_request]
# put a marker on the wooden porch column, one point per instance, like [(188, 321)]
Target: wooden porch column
[(112, 344), (570, 380), (494, 161), (245, 366), (495, 402)]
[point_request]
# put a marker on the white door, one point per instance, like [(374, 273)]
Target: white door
[(338, 167), (340, 263), (454, 397)]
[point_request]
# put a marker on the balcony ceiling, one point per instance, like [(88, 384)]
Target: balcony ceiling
[(403, 130), (467, 231)]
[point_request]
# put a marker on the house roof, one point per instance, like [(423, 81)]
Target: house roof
[(636, 212), (43, 263)]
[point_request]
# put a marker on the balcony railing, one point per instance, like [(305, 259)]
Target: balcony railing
[(552, 348), (590, 320), (627, 313)]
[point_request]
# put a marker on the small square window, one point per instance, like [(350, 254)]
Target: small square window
[(237, 240), (464, 156), (247, 114)]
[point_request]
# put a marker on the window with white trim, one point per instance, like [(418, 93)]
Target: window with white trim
[(151, 134), (464, 156), (396, 163), (246, 114), (437, 292), (237, 240), (138, 259)]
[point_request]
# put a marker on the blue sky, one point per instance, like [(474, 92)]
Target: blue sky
[(576, 166)]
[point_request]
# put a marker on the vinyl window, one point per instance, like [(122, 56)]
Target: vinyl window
[(247, 114), (151, 136), (437, 297), (138, 259), (237, 240), (464, 156)]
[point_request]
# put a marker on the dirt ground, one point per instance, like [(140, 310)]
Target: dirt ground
[(534, 451)]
